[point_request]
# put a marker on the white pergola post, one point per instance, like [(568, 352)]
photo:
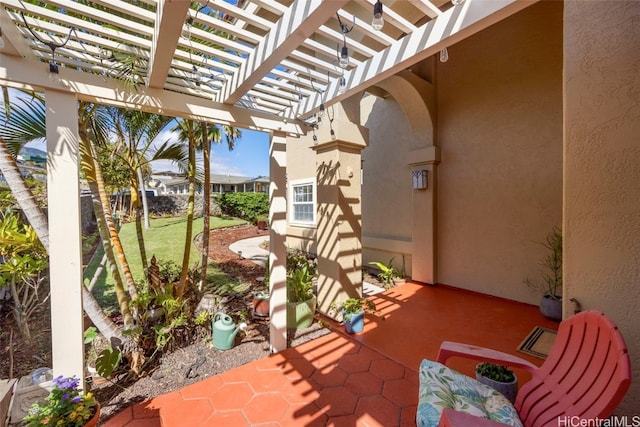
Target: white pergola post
[(278, 242), (65, 240)]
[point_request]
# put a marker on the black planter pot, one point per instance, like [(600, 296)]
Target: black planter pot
[(551, 308), (508, 390)]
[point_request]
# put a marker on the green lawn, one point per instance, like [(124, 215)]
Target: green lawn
[(165, 239)]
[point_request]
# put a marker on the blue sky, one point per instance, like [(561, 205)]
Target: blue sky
[(250, 157)]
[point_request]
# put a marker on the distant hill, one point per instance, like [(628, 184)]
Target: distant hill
[(30, 151)]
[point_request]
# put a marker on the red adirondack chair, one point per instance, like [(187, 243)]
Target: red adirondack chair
[(586, 374)]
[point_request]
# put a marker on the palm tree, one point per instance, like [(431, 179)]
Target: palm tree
[(212, 134), (187, 130), (135, 132), (23, 125)]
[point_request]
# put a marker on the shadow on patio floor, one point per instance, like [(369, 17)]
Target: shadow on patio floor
[(369, 379)]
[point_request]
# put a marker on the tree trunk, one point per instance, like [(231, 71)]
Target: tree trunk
[(189, 232), (137, 212), (206, 194), (111, 227), (23, 195), (143, 195), (38, 221)]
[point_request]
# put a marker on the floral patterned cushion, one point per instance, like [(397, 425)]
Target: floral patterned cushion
[(441, 387)]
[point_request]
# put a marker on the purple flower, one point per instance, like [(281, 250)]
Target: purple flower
[(77, 399), (65, 396)]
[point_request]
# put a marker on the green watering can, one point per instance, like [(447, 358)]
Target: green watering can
[(224, 331)]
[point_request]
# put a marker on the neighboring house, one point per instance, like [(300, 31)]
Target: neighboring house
[(174, 183)]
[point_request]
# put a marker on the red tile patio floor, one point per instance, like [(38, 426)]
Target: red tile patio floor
[(368, 379)]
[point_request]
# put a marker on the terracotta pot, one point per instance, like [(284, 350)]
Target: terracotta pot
[(261, 305), (93, 421)]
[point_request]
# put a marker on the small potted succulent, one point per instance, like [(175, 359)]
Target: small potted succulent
[(66, 405), (353, 310), (499, 377)]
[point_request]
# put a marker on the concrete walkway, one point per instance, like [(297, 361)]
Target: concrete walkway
[(250, 249)]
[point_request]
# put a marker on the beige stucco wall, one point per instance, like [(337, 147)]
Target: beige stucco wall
[(301, 164), (602, 167), (500, 132), (386, 191)]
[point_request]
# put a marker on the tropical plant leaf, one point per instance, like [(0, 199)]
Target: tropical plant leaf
[(107, 361)]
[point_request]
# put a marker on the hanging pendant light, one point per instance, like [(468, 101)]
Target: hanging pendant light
[(343, 60), (444, 55), (378, 22)]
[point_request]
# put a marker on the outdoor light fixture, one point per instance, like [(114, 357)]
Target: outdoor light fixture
[(343, 58), (186, 30), (315, 137), (342, 85), (378, 21), (420, 179), (197, 76), (53, 67), (444, 55), (321, 110)]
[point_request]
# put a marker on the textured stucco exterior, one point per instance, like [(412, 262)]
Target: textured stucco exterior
[(535, 124), (500, 133), (602, 167)]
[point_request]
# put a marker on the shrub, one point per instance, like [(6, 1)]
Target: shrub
[(247, 206)]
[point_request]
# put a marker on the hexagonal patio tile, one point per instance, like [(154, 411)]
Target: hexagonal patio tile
[(363, 384), (231, 396), (383, 411), (355, 362), (402, 392), (300, 391), (337, 401), (265, 408), (329, 376), (387, 369)]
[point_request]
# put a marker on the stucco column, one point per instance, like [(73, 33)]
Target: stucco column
[(339, 225), (278, 242), (423, 214), (65, 239), (601, 224)]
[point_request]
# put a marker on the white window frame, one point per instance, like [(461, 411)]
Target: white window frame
[(314, 194)]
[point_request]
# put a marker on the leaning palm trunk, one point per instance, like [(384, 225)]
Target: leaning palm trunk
[(91, 171), (23, 195), (206, 194), (114, 237), (121, 295), (38, 221)]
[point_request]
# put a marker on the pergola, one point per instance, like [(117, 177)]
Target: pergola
[(268, 65)]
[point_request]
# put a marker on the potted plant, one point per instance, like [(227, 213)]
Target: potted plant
[(301, 301), (499, 377), (65, 405), (261, 304), (353, 310), (550, 285), (388, 274)]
